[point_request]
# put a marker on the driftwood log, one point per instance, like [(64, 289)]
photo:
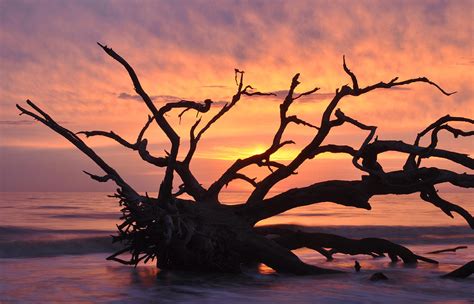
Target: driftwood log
[(461, 272), (204, 234), (454, 249)]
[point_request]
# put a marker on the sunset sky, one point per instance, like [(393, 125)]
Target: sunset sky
[(188, 50)]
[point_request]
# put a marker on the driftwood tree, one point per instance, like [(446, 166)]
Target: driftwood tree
[(204, 234)]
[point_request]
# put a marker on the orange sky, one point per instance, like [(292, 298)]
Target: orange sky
[(190, 49)]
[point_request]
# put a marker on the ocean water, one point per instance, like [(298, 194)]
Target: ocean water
[(53, 248)]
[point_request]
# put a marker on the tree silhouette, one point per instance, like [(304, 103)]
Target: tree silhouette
[(204, 234)]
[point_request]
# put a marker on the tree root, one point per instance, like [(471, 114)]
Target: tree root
[(461, 272), (320, 242), (280, 259)]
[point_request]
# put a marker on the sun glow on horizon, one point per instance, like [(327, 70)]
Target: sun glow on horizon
[(234, 153)]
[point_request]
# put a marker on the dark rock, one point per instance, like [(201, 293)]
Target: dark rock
[(378, 276), (357, 266)]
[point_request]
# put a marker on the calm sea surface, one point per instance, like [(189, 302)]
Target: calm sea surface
[(53, 248)]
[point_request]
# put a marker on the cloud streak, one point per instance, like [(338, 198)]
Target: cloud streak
[(158, 98), (16, 122)]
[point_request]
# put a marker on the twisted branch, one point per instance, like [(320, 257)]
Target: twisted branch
[(435, 127), (358, 192), (326, 125)]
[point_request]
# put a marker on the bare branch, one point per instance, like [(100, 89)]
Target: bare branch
[(456, 132), (100, 179), (145, 127), (299, 121), (356, 193), (381, 146), (245, 178), (434, 138), (431, 195), (370, 166), (395, 83), (264, 158), (239, 80), (326, 124), (111, 135), (306, 93), (76, 141), (355, 85), (256, 93), (333, 149), (140, 145), (269, 163), (182, 190), (187, 105), (167, 183), (139, 89), (411, 162), (439, 122)]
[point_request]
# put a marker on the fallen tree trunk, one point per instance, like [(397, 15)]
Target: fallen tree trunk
[(330, 244), (204, 234)]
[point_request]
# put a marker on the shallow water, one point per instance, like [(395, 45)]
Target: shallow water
[(53, 248)]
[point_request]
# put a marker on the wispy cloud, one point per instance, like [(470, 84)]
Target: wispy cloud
[(163, 98), (16, 122), (159, 98)]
